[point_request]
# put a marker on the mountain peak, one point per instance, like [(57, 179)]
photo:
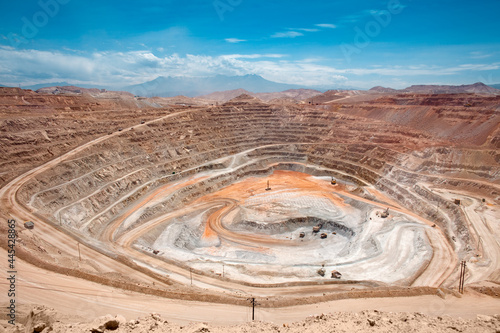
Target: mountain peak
[(196, 86)]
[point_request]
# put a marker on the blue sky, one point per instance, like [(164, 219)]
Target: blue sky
[(357, 43)]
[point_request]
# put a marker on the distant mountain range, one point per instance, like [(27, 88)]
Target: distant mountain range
[(222, 87), (62, 84), (477, 88), (191, 87)]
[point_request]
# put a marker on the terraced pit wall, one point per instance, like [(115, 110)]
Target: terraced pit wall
[(87, 192)]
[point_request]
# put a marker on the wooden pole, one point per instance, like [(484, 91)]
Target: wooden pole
[(253, 309), (463, 276), (460, 278), (254, 303), (461, 283)]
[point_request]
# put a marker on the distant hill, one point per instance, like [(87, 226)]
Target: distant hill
[(477, 88), (379, 89), (332, 95), (243, 99), (224, 96), (290, 94), (496, 86), (61, 84), (191, 87), (73, 90)]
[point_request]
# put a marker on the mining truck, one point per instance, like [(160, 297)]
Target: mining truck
[(317, 228), (336, 275)]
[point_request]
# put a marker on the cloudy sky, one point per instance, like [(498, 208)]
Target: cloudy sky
[(358, 43)]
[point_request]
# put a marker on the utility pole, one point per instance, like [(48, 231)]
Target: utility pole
[(79, 255), (268, 188), (191, 275), (222, 270), (461, 284), (254, 303)]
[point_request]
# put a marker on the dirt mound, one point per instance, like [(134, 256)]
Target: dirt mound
[(243, 99), (379, 89)]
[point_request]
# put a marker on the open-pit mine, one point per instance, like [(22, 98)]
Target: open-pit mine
[(370, 195)]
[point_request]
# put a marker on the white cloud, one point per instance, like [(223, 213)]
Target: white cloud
[(288, 34), (326, 25), (480, 55), (251, 56), (306, 29), (234, 40), (116, 69)]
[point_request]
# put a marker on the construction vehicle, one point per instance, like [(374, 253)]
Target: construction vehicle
[(321, 271), (29, 225), (334, 181), (302, 235), (385, 214), (317, 228), (324, 235), (336, 275)]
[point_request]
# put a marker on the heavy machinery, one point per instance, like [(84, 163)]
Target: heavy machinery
[(336, 275), (317, 228)]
